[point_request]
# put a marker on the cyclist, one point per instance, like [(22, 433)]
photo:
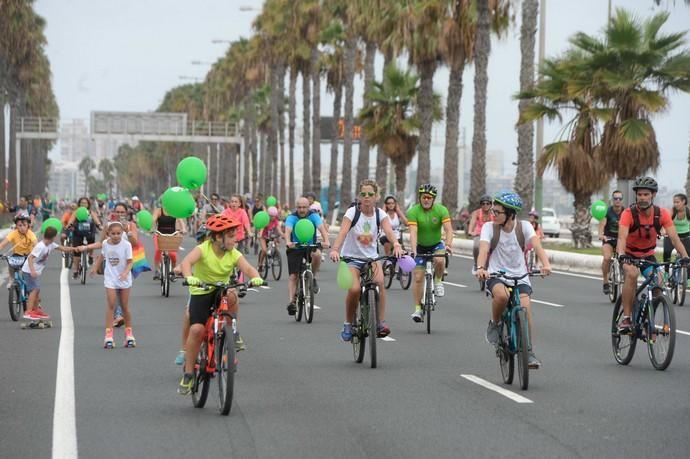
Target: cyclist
[(22, 240), (608, 235), (238, 213), (209, 262), (425, 220), (85, 229), (23, 208), (211, 208), (634, 243), (680, 214), (397, 218), (294, 255), (271, 231), (477, 220), (358, 238), (165, 224), (508, 255), (533, 216)]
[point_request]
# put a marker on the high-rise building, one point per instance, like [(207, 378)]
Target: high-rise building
[(75, 141)]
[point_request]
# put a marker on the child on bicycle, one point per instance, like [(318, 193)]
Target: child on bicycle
[(209, 262), (22, 239), (272, 230)]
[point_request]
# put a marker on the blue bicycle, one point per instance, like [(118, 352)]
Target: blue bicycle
[(18, 294)]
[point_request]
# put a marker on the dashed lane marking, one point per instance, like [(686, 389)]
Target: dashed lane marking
[(506, 393), (454, 284), (387, 338), (555, 305)]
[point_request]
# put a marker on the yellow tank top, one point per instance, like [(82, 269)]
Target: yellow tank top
[(211, 268)]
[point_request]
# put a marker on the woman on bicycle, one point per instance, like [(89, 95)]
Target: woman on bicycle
[(85, 229), (271, 231), (397, 219), (680, 214), (165, 224), (209, 262), (237, 212), (360, 241), (477, 220)]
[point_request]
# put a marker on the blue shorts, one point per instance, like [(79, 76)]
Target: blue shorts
[(421, 250), (358, 265), (31, 283), (523, 289)]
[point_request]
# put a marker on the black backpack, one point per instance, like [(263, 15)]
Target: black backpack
[(635, 211)]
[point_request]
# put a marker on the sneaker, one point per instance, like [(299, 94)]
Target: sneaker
[(156, 275), (493, 333), (346, 334), (533, 363), (382, 329), (418, 314), (474, 271), (179, 360), (40, 313), (625, 324), (315, 287), (108, 340), (119, 321), (291, 309), (90, 260), (439, 289), (75, 274), (239, 343), (30, 314), (130, 341), (186, 384), (607, 289)]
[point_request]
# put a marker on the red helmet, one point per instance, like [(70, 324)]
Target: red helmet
[(219, 223)]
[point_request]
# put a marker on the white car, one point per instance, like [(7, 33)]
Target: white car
[(549, 222)]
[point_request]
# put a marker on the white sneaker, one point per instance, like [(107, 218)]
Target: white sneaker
[(439, 290), (418, 315), (474, 272)]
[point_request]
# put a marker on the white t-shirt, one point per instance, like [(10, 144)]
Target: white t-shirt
[(362, 239), (116, 257), (395, 224), (40, 252), (508, 256)]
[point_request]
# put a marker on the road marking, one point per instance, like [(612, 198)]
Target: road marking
[(506, 393), (64, 418), (387, 338), (555, 305), (316, 307), (583, 276), (682, 332), (454, 285)]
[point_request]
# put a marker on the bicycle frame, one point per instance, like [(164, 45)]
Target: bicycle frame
[(643, 297)]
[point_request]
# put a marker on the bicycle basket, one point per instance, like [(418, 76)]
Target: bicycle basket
[(169, 241), (16, 261)]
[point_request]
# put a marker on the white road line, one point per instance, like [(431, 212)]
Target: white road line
[(316, 307), (555, 305), (454, 285), (682, 332), (583, 276), (387, 338), (64, 416), (506, 393)]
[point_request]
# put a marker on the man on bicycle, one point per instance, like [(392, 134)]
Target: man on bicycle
[(638, 229), (425, 221), (212, 261), (608, 235), (508, 255)]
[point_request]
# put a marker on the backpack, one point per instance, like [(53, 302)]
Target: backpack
[(635, 211), (359, 212), (497, 235)]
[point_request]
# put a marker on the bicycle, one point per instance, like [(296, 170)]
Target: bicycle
[(305, 284), (677, 282), (167, 243), (365, 321), (237, 277), (428, 295), (513, 336), (391, 270), (615, 276), (271, 260), (653, 320), (83, 266), (68, 256), (18, 296)]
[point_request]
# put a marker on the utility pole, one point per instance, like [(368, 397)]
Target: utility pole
[(538, 181)]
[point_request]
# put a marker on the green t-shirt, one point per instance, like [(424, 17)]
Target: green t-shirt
[(211, 268), (428, 223)]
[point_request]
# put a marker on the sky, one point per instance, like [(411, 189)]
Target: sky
[(124, 56)]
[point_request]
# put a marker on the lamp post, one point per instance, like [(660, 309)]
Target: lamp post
[(538, 181)]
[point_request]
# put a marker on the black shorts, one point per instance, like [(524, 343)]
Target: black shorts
[(524, 289), (200, 307), (78, 239), (294, 258), (612, 242)]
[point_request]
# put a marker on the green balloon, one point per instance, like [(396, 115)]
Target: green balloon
[(54, 222), (271, 201), (145, 220), (102, 196), (304, 230), (261, 219), (598, 210), (191, 173), (344, 276), (178, 202), (82, 214)]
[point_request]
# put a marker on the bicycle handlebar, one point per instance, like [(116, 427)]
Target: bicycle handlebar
[(368, 260), (502, 275), (221, 285)]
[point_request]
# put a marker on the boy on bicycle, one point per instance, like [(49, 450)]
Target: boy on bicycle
[(22, 239), (508, 255), (212, 261)]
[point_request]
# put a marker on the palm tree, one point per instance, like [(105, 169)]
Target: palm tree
[(86, 165), (107, 169)]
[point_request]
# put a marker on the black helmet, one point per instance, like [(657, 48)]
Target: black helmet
[(428, 188), (645, 183)]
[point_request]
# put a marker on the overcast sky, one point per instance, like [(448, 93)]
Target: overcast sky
[(124, 55)]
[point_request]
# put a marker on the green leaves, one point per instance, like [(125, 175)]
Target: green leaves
[(635, 131)]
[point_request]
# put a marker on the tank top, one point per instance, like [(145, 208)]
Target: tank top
[(612, 218), (682, 226), (480, 222), (395, 224), (166, 224)]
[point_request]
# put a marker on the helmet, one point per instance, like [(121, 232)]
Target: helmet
[(485, 197), (428, 188), (310, 194), (273, 211), (533, 213), (315, 207), (135, 198), (218, 223), (645, 183), (22, 216), (509, 200)]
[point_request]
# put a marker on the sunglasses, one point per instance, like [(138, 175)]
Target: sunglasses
[(617, 199), (427, 196), (484, 203), (367, 194)]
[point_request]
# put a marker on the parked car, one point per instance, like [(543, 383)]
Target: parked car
[(549, 222)]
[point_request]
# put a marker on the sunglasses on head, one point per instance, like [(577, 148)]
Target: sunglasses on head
[(367, 194)]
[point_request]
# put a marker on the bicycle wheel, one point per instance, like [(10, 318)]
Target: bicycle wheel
[(83, 267), (522, 337), (358, 331), (15, 303), (506, 359), (66, 256), (661, 332), (388, 274), (276, 265), (226, 366), (308, 296), (405, 279), (263, 267), (681, 286), (166, 275), (614, 274), (202, 380), (300, 299), (531, 258), (428, 301), (623, 345), (373, 301)]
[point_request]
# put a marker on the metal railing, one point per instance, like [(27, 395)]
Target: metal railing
[(37, 124)]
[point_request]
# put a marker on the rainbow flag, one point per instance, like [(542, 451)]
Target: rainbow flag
[(139, 262)]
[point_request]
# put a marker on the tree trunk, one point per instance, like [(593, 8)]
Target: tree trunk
[(381, 157), (12, 167), (292, 114), (482, 49), (272, 156), (3, 176), (316, 121), (450, 155), (400, 180), (426, 113), (232, 151), (580, 229), (333, 167), (524, 177), (262, 163), (306, 133), (346, 185), (282, 194), (249, 122), (369, 74), (687, 176)]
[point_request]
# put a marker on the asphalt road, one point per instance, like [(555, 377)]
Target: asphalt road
[(300, 395)]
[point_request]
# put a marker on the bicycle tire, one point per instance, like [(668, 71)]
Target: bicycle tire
[(359, 343), (373, 301), (428, 301), (506, 360), (226, 368), (263, 267), (14, 302), (276, 266), (388, 275), (682, 285), (531, 257), (623, 345), (661, 349), (308, 297), (300, 299), (66, 256), (202, 380), (83, 268), (613, 281), (166, 276), (522, 354)]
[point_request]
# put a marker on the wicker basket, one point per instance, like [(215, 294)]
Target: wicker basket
[(169, 241)]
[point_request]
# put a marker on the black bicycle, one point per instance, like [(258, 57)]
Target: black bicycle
[(615, 276), (428, 295), (391, 271), (677, 282), (271, 260), (305, 284)]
